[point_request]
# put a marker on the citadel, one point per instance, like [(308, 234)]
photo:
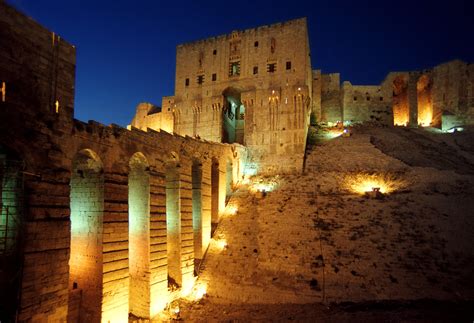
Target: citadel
[(99, 222)]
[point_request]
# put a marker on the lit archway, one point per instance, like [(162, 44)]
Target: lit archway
[(139, 235), (425, 103), (233, 117), (85, 262), (11, 224), (401, 114)]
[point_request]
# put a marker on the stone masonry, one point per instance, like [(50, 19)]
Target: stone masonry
[(94, 240)]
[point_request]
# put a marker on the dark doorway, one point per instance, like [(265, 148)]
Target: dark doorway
[(233, 121), (11, 224)]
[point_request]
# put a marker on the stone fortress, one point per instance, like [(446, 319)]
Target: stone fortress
[(100, 221), (256, 87), (251, 87)]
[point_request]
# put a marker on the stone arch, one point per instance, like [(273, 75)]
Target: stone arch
[(11, 228), (139, 235), (401, 112), (173, 219), (86, 259), (424, 100)]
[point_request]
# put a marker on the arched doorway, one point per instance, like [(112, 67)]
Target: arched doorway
[(233, 115), (139, 236), (86, 259), (401, 114), (11, 225), (425, 103)]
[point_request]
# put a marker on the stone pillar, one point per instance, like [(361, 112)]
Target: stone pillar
[(206, 205), (412, 94), (158, 243)]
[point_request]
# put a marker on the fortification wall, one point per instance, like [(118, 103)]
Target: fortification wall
[(331, 107), (76, 232), (316, 98), (452, 90), (362, 103), (267, 69)]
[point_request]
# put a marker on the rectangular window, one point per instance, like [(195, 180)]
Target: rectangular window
[(271, 68), (255, 70), (234, 68), (186, 82), (214, 77), (288, 65), (200, 79)]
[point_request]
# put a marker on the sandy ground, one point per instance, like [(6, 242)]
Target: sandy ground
[(311, 246)]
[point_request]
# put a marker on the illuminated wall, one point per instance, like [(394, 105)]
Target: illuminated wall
[(228, 179), (206, 200), (147, 116), (425, 104), (139, 236), (401, 114), (197, 209), (215, 179), (87, 206), (173, 223)]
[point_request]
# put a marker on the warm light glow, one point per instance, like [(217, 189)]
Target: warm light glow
[(231, 210), (363, 183), (425, 105), (201, 290), (262, 184), (262, 187), (220, 243), (3, 89), (198, 291), (334, 133), (401, 121), (425, 116), (188, 288)]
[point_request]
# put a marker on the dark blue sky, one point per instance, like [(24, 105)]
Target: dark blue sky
[(126, 49)]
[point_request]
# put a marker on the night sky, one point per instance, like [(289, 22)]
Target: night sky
[(126, 49)]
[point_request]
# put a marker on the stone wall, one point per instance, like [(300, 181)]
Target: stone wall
[(365, 103), (265, 72), (316, 103), (452, 90), (331, 107), (81, 186)]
